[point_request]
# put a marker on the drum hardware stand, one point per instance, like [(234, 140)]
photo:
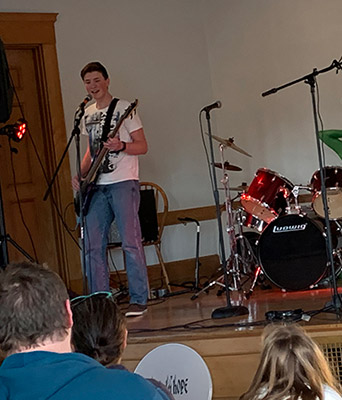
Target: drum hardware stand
[(257, 273), (297, 208), (244, 259), (336, 303), (235, 259), (295, 192), (339, 226), (242, 241), (337, 253), (229, 310)]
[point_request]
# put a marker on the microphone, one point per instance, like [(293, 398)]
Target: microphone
[(217, 104), (84, 102)]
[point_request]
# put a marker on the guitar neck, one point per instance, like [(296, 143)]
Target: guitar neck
[(92, 173)]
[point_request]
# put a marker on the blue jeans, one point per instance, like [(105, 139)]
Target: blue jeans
[(120, 201)]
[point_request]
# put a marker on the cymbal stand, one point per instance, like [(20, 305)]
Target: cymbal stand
[(229, 310), (235, 260)]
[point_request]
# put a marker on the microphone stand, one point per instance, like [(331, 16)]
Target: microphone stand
[(310, 79), (75, 133), (229, 310), (6, 238)]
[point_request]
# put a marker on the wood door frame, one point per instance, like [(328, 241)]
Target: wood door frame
[(36, 31)]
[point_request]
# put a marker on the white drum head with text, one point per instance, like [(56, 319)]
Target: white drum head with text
[(180, 368)]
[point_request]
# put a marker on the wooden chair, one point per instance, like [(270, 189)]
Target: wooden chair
[(154, 207)]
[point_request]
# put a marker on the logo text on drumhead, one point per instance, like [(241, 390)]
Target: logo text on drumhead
[(289, 228)]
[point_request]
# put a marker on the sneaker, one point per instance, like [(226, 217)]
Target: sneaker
[(134, 310)]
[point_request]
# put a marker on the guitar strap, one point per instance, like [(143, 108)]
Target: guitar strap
[(106, 126)]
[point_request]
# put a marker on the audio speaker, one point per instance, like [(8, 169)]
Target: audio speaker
[(148, 215)]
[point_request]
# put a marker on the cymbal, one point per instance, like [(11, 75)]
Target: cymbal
[(227, 166), (241, 188), (230, 143)]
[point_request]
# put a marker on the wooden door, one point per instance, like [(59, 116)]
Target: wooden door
[(36, 225), (29, 221)]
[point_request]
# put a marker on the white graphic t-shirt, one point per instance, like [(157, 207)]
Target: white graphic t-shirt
[(115, 167)]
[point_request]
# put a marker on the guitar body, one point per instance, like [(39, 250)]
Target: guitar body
[(87, 191), (87, 187)]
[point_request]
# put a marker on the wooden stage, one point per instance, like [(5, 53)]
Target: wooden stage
[(230, 346)]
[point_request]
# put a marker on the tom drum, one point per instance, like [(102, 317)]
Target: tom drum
[(266, 195), (333, 184)]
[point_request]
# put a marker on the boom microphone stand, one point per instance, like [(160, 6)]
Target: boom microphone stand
[(229, 310), (75, 133), (310, 79)]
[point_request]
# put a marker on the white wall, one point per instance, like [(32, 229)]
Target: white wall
[(176, 56), (254, 46)]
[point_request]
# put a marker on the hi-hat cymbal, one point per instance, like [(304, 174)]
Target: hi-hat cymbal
[(227, 166), (230, 143)]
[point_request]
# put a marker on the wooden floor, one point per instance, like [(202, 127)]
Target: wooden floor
[(229, 346)]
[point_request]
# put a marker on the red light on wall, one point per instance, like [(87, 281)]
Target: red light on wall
[(16, 131), (20, 129)]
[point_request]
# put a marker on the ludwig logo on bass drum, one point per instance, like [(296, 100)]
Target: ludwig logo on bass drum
[(290, 228)]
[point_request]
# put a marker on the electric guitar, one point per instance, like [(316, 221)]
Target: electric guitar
[(88, 183)]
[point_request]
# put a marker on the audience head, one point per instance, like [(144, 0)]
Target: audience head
[(34, 308), (291, 364), (99, 329)]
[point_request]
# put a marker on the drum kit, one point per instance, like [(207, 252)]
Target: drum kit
[(286, 240)]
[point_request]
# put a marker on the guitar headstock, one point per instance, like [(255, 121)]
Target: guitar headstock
[(131, 110)]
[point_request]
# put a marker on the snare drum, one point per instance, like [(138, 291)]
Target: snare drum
[(292, 252), (266, 195), (333, 184)]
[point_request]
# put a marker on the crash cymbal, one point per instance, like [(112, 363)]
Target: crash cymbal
[(230, 143), (227, 166)]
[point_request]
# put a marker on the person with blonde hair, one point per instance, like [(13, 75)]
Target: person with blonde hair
[(292, 366)]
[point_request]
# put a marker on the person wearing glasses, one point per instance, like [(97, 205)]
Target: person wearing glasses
[(115, 194), (35, 338), (99, 331)]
